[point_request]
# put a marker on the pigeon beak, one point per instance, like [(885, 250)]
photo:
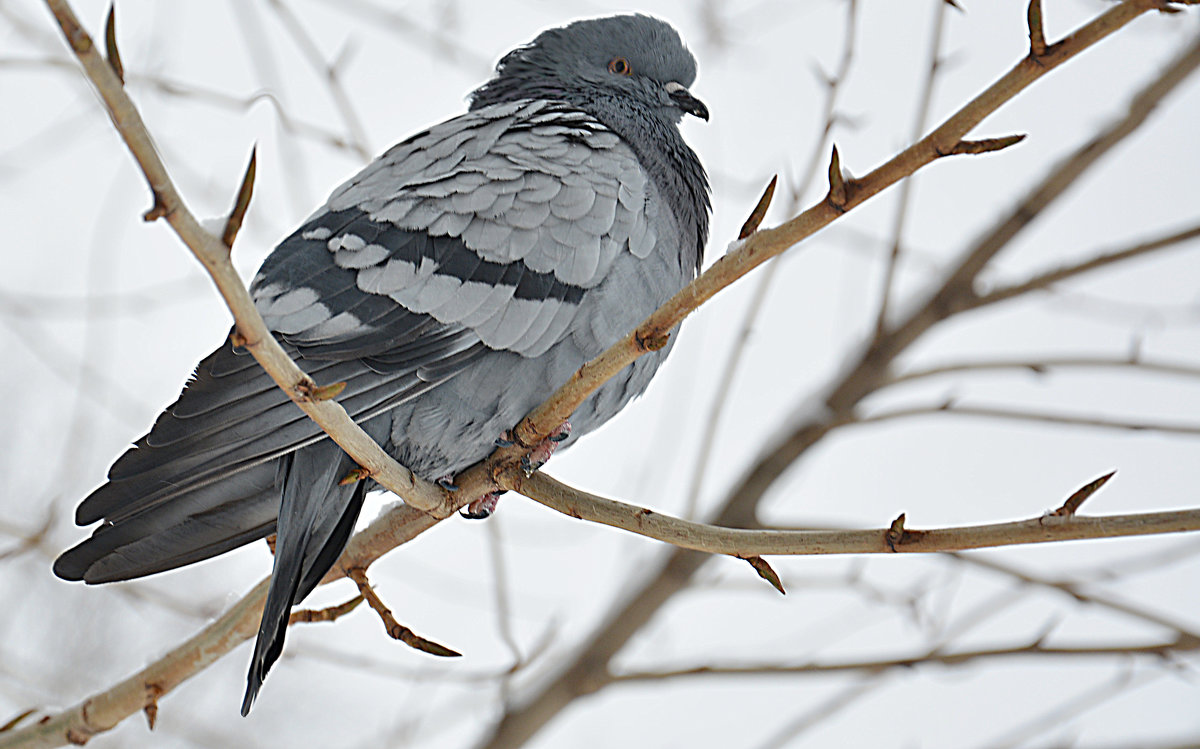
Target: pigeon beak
[(685, 101)]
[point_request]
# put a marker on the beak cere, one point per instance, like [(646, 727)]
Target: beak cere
[(685, 101)]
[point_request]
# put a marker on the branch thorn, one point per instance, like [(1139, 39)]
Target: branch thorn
[(652, 342), (895, 533), (1037, 34), (760, 210), (1081, 495), (355, 475), (153, 692), (234, 223), (765, 572), (157, 211), (837, 182), (984, 145), (110, 44), (310, 391), (11, 724)]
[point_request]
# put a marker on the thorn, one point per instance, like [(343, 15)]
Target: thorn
[(760, 210), (765, 572), (271, 539), (153, 692), (652, 342), (234, 223), (309, 391), (157, 211), (1037, 34), (237, 339), (837, 182), (110, 44), (984, 145), (327, 392), (11, 724), (1081, 495), (895, 533), (954, 5), (355, 475)]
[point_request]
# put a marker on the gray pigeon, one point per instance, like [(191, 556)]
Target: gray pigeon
[(453, 284)]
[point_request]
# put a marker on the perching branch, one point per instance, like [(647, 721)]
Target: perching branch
[(742, 543)]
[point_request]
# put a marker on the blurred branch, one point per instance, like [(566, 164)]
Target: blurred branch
[(1042, 367), (1017, 414), (1036, 649), (1069, 271), (906, 188), (329, 71)]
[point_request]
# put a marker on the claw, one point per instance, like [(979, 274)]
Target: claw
[(447, 483), (482, 507)]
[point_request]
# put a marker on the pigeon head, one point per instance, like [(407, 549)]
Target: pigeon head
[(620, 62)]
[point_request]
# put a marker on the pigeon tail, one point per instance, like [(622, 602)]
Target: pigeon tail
[(316, 516)]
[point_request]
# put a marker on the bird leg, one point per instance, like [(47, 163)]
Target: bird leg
[(537, 457)]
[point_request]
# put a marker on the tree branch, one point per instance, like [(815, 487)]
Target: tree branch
[(741, 543), (937, 657)]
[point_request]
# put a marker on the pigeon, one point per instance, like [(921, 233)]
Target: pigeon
[(453, 284)]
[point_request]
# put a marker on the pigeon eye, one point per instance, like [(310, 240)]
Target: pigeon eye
[(620, 66)]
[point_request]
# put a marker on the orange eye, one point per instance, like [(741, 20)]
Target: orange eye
[(620, 66)]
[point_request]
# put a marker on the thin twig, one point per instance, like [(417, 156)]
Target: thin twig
[(1036, 649), (1044, 366), (906, 188), (1042, 417), (1044, 280), (329, 614)]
